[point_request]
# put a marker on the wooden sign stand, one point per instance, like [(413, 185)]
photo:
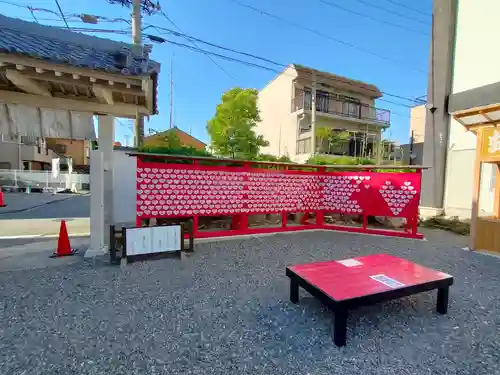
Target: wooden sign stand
[(485, 231)]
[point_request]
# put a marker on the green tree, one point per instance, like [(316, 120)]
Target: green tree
[(231, 130), (339, 138), (323, 133), (172, 140)]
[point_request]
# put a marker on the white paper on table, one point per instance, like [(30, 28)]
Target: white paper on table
[(391, 283), (350, 262)]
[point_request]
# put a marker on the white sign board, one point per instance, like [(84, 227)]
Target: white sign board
[(494, 142), (151, 240), (55, 167)]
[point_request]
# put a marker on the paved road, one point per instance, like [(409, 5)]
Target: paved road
[(77, 206), (35, 253)]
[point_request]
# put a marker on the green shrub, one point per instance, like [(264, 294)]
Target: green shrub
[(268, 157), (452, 224), (340, 160), (181, 151)]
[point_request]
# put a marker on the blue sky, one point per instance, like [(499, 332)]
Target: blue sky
[(199, 83)]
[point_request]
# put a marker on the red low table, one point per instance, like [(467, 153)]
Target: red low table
[(346, 284)]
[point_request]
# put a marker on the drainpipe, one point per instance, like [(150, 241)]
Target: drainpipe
[(313, 114)]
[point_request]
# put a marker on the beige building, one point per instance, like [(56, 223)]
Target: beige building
[(35, 154), (300, 101), (417, 123), (29, 154)]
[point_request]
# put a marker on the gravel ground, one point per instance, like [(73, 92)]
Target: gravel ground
[(225, 310)]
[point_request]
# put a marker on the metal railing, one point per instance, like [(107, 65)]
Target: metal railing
[(325, 104), (44, 180)]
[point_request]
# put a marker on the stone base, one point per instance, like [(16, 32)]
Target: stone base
[(91, 253), (427, 212)]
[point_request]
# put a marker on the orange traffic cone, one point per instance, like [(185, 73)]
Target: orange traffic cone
[(2, 202), (63, 245)]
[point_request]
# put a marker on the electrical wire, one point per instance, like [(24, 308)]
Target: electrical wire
[(393, 12), (224, 57), (30, 8), (247, 63), (33, 14), (62, 14), (396, 103), (409, 8), (195, 45), (244, 62), (291, 23), (207, 53), (171, 32), (85, 30), (163, 30), (326, 36), (371, 18)]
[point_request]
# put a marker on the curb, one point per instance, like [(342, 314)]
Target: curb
[(40, 205), (41, 236)]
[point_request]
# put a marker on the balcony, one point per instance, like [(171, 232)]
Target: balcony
[(342, 108)]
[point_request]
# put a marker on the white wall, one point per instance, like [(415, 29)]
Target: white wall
[(475, 64), (275, 103), (124, 188)]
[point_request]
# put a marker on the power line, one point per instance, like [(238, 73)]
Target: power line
[(395, 103), (31, 9), (228, 58), (86, 30), (188, 37), (407, 115), (409, 8), (326, 36), (33, 14), (62, 14), (232, 59), (393, 12), (372, 18), (247, 63), (256, 57), (195, 45)]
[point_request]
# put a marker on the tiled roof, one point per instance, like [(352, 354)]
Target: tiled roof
[(62, 46), (339, 80)]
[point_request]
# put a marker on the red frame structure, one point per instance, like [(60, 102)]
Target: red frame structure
[(186, 187)]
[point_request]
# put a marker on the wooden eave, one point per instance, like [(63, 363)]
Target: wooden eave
[(34, 82)]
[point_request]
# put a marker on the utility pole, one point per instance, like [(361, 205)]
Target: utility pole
[(313, 114), (171, 92), (137, 41), (150, 8)]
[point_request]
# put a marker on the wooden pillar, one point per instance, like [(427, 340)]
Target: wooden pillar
[(476, 187), (497, 191)]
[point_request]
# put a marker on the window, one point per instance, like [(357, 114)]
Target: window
[(60, 148), (304, 146)]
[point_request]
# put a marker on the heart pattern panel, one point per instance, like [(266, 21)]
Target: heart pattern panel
[(168, 191), (277, 192), (398, 197), (344, 193)]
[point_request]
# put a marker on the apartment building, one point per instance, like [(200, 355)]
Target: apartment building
[(302, 101)]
